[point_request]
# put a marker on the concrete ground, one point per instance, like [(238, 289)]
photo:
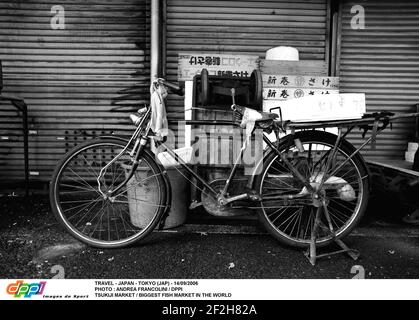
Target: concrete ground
[(33, 245)]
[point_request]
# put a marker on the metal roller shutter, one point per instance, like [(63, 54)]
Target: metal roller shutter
[(382, 60), (70, 78), (242, 27)]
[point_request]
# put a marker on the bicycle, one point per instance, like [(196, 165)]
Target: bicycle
[(311, 187)]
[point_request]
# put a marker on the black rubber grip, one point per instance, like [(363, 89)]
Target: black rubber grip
[(174, 88)]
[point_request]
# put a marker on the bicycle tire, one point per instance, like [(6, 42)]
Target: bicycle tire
[(358, 163), (64, 221)]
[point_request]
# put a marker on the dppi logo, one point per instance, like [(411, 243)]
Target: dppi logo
[(27, 290)]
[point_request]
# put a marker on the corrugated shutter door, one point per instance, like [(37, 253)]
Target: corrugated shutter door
[(242, 27), (71, 79), (382, 60)]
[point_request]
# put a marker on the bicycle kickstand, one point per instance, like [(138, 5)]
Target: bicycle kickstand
[(311, 252)]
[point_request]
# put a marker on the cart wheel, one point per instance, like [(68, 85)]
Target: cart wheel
[(255, 89), (204, 87)]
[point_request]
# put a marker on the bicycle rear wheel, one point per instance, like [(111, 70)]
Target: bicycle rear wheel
[(346, 192), (107, 222)]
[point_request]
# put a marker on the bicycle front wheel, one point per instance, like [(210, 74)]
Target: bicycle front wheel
[(107, 222), (287, 209)]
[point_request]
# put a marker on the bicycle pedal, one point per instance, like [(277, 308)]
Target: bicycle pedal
[(253, 196), (194, 204)]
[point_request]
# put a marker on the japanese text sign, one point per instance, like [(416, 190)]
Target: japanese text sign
[(191, 64), (284, 87)]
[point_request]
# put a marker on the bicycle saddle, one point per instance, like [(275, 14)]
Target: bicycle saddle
[(254, 115)]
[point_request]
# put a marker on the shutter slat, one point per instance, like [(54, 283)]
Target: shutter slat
[(382, 60), (71, 79), (242, 27)]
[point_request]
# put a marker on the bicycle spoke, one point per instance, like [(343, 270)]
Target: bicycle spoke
[(280, 208), (74, 192), (294, 218), (100, 219), (282, 212), (74, 201), (80, 186), (96, 174), (134, 185), (338, 212), (91, 220), (89, 206), (341, 205), (82, 205), (286, 220), (284, 183), (126, 212), (310, 223), (333, 213), (84, 182), (123, 221), (95, 218)]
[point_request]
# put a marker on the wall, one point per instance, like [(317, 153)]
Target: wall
[(382, 60), (71, 78)]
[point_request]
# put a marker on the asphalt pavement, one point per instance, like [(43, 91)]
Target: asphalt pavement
[(33, 245)]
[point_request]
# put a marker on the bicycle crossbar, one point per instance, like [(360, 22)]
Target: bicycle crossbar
[(211, 122)]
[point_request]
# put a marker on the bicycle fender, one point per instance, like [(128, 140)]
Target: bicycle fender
[(266, 153), (259, 166), (113, 137), (168, 188), (165, 176)]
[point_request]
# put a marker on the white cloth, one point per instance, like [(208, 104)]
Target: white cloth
[(158, 122), (283, 53), (249, 119)]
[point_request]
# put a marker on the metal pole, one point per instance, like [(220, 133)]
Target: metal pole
[(26, 148), (417, 124), (155, 39)]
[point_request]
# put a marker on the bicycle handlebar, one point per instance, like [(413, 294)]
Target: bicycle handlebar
[(173, 87)]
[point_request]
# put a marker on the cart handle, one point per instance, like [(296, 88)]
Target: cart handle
[(172, 86)]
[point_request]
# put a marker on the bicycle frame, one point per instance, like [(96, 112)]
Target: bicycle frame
[(141, 141), (308, 188), (232, 173)]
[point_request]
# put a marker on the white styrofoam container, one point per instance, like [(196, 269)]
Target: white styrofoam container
[(167, 160), (413, 146), (283, 53), (410, 156), (320, 107)]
